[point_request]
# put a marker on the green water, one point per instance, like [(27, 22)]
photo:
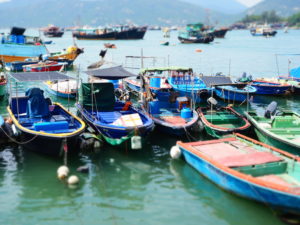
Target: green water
[(145, 186)]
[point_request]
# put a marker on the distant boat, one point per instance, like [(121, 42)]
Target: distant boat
[(44, 66), (249, 169), (112, 33), (165, 43), (193, 33), (264, 30), (109, 45), (64, 89), (235, 92), (219, 33), (219, 121), (53, 31)]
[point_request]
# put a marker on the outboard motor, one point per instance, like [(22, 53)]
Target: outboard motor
[(271, 109), (214, 103)]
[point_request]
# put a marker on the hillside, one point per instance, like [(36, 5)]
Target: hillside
[(282, 7), (36, 13), (231, 6)]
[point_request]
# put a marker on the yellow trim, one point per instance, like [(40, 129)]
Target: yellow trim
[(16, 122)]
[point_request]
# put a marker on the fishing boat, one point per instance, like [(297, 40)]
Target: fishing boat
[(249, 169), (157, 78), (116, 121), (186, 83), (264, 30), (219, 121), (174, 118), (235, 92), (64, 89), (18, 47), (53, 31), (264, 87), (194, 33), (44, 127), (109, 45), (3, 83), (219, 33), (44, 66), (111, 33), (165, 43), (279, 129)]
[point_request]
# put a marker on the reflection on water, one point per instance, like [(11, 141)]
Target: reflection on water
[(142, 187)]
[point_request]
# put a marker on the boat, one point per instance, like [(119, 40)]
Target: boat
[(235, 92), (3, 83), (44, 66), (264, 30), (44, 127), (281, 130), (219, 121), (47, 42), (111, 33), (64, 89), (53, 31), (18, 47), (116, 121), (219, 33), (165, 43), (175, 118), (248, 168), (186, 83), (109, 45), (194, 33), (264, 87), (157, 78)]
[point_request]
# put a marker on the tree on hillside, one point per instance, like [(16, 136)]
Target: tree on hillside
[(294, 20), (265, 17)]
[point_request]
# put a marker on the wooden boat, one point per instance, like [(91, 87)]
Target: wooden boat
[(109, 45), (112, 33), (270, 88), (281, 131), (219, 121), (53, 31), (194, 33), (235, 92), (64, 89), (18, 47), (172, 118), (3, 83), (117, 122), (249, 169), (44, 66), (44, 127)]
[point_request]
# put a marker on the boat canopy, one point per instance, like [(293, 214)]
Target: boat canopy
[(295, 72), (39, 76), (17, 31), (215, 80), (97, 96), (162, 69), (112, 73)]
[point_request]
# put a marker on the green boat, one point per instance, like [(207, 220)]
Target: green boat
[(222, 121), (281, 131), (3, 83)]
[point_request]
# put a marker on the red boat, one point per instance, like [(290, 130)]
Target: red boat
[(44, 66)]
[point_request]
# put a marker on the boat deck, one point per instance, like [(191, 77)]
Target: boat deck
[(224, 119), (171, 116)]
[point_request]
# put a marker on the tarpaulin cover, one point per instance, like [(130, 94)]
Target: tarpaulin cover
[(39, 76), (37, 106), (215, 80), (295, 72), (112, 73), (97, 96)]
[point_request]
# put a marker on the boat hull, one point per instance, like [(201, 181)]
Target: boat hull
[(241, 187), (232, 95), (203, 40), (60, 94), (54, 34), (270, 89)]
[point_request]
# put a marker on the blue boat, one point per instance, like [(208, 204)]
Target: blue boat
[(235, 92), (115, 121), (248, 168), (270, 88), (64, 89), (172, 118), (44, 127)]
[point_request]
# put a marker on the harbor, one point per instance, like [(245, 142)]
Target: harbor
[(121, 185)]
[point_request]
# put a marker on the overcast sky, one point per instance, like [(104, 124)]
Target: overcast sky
[(249, 2)]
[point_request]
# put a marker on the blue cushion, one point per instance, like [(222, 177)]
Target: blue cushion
[(51, 126), (108, 117)]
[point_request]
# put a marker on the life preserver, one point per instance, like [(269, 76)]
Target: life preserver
[(126, 106)]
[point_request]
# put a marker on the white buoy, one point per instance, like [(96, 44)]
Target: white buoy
[(62, 172), (175, 152), (136, 142), (73, 180)]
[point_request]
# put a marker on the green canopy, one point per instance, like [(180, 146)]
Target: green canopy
[(97, 96)]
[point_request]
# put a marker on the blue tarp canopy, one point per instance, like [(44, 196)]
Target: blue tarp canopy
[(112, 73), (39, 76), (295, 72)]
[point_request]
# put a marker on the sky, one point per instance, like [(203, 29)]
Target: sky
[(249, 3)]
